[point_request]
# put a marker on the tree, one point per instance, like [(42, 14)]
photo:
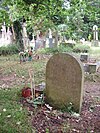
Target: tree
[(83, 14), (78, 15), (39, 14)]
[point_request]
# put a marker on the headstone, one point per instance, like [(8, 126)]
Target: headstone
[(50, 39), (95, 35), (32, 42), (64, 81), (3, 31), (25, 37), (92, 67), (84, 57), (9, 35), (39, 42)]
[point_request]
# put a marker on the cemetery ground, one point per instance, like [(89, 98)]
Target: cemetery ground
[(18, 116)]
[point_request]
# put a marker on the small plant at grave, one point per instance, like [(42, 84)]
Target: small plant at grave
[(47, 130), (68, 108)]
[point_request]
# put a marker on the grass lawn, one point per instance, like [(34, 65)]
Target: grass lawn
[(13, 117)]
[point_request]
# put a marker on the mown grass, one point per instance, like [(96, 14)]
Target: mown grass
[(14, 67), (13, 118)]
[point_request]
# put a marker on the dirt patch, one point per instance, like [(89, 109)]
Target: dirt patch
[(87, 122), (8, 81)]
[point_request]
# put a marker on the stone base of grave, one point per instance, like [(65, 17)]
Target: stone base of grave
[(95, 43), (90, 68), (83, 57)]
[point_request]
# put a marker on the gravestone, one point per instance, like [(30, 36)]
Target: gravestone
[(84, 57), (50, 39), (40, 41), (90, 68), (3, 31), (95, 35), (25, 37), (64, 81), (9, 34)]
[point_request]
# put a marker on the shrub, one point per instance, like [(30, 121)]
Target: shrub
[(8, 50), (79, 48), (68, 44), (59, 49), (64, 48), (48, 50)]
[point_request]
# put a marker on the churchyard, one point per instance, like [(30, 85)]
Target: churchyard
[(49, 66), (71, 95), (49, 88)]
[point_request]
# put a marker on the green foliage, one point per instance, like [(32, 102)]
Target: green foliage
[(33, 10), (81, 48), (44, 14), (59, 49), (9, 50), (82, 16), (65, 48), (71, 45), (49, 50), (68, 108)]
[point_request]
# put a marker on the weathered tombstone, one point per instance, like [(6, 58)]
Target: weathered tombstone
[(83, 57), (92, 67), (25, 37), (3, 31), (50, 39), (95, 35), (39, 43), (64, 81), (9, 35)]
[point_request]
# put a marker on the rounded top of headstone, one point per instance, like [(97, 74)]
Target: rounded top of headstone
[(66, 57), (95, 27)]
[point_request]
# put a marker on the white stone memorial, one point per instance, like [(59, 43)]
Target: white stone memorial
[(95, 36), (25, 37)]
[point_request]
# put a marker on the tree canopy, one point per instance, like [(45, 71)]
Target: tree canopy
[(78, 15)]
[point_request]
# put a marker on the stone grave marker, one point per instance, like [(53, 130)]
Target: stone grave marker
[(50, 39), (95, 36), (84, 57), (64, 81)]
